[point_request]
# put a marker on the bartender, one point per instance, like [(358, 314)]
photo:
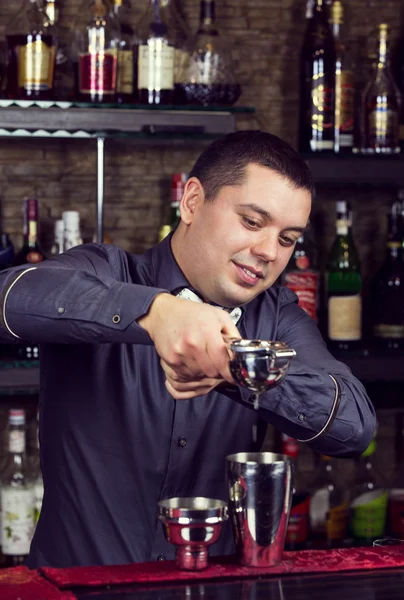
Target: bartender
[(137, 402)]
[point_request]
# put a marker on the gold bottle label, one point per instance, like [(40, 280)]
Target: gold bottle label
[(156, 65), (321, 115), (344, 318), (124, 83), (36, 63), (389, 331), (383, 126), (344, 107)]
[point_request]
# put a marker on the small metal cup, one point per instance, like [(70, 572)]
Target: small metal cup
[(192, 524), (260, 486), (258, 364)]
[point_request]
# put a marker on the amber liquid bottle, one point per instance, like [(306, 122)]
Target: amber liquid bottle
[(31, 54), (155, 58), (317, 85), (127, 42), (382, 103)]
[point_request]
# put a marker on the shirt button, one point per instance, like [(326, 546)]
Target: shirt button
[(182, 442), (301, 417), (116, 319), (161, 557), (61, 310)]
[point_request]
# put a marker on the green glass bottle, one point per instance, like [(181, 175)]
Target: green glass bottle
[(344, 286)]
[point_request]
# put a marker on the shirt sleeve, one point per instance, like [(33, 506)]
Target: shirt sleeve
[(76, 297), (301, 404)]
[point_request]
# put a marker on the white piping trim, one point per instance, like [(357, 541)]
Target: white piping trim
[(5, 299), (334, 409)]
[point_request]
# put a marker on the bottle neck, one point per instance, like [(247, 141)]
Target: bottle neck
[(30, 222), (393, 251), (207, 14), (382, 55), (343, 227)]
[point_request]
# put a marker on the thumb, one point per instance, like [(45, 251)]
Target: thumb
[(228, 329)]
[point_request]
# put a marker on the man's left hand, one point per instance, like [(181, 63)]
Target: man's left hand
[(183, 388)]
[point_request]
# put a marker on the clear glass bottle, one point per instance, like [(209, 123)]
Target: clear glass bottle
[(387, 290), (155, 58), (127, 42), (329, 507), (302, 277), (32, 50), (17, 494), (36, 471), (71, 229), (97, 43), (344, 285), (208, 76), (58, 240), (382, 103), (369, 501), (344, 85), (317, 83)]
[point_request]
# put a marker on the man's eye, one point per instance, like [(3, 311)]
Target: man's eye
[(286, 240), (251, 223)]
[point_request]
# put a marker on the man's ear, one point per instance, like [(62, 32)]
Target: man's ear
[(192, 198)]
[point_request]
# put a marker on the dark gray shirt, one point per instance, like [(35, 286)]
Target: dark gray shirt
[(113, 441)]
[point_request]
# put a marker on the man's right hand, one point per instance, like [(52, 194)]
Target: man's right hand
[(190, 337)]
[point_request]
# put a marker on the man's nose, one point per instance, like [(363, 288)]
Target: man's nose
[(266, 248)]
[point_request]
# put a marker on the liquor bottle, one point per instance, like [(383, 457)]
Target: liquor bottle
[(155, 58), (32, 51), (37, 478), (71, 229), (381, 106), (58, 242), (127, 40), (329, 508), (17, 494), (178, 181), (397, 65), (317, 84), (209, 78), (344, 85), (97, 47), (369, 501), (388, 288), (7, 256), (344, 285), (302, 278), (173, 15), (31, 251), (297, 533)]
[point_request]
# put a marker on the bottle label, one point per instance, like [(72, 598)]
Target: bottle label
[(97, 72), (298, 526), (344, 318), (368, 515), (36, 65), (156, 66), (38, 497), (344, 107), (383, 127), (321, 115), (337, 521), (389, 331), (16, 441), (124, 83), (305, 286), (17, 526), (396, 512)]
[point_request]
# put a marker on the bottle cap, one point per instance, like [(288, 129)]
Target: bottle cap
[(71, 217), (16, 416)]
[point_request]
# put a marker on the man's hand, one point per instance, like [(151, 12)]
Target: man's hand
[(190, 339)]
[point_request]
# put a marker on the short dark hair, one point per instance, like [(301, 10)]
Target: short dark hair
[(225, 160)]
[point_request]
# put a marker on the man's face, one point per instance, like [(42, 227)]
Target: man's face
[(237, 246)]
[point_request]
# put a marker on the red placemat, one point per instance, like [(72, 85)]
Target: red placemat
[(306, 561), (21, 583)]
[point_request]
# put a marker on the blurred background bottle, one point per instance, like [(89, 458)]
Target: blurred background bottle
[(317, 83), (31, 251), (178, 181), (382, 103), (344, 285), (127, 42), (32, 52), (58, 241), (71, 229)]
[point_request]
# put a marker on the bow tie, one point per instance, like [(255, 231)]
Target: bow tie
[(235, 313)]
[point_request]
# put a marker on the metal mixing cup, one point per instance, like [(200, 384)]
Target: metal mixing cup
[(260, 486)]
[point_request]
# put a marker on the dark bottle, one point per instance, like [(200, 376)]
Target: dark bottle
[(178, 181), (7, 256), (388, 288), (31, 53), (208, 75), (369, 501), (317, 86), (302, 278), (382, 103), (127, 41), (344, 85), (329, 508), (397, 66), (97, 49), (155, 58), (344, 286), (30, 251)]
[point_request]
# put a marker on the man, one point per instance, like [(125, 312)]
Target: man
[(137, 400)]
